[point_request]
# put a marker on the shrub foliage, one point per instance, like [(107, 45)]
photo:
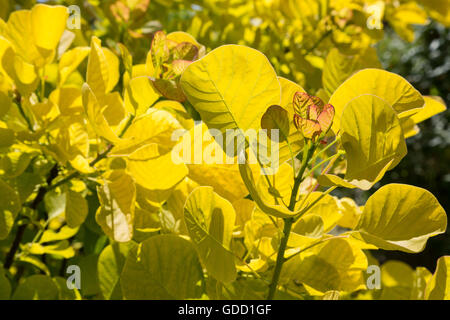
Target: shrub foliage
[(91, 117)]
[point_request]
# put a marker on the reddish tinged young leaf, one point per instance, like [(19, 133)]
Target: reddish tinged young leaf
[(298, 121), (276, 118), (325, 118), (317, 101), (159, 50), (178, 66), (302, 101), (309, 128), (169, 89), (312, 116)]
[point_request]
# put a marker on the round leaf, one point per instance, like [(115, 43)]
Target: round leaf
[(401, 217), (210, 220), (162, 267)]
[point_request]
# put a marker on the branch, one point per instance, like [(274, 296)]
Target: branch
[(288, 222)]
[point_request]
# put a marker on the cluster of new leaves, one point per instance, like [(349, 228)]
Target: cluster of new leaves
[(88, 177)]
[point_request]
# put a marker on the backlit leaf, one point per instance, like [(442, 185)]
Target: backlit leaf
[(276, 118), (102, 71), (338, 67), (231, 87), (69, 62), (110, 265), (372, 144), (334, 265), (117, 198), (210, 220), (392, 88), (140, 95), (433, 106), (401, 217), (95, 115), (36, 287), (48, 24), (164, 267)]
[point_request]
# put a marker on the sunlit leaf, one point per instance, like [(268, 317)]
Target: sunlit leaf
[(103, 69), (210, 220), (70, 61), (65, 233), (334, 265), (433, 106), (231, 87), (95, 115), (48, 24), (350, 211), (61, 248), (140, 95), (326, 208), (338, 67)]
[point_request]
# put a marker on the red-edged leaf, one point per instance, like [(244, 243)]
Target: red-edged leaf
[(326, 117), (303, 102), (276, 118), (311, 129)]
